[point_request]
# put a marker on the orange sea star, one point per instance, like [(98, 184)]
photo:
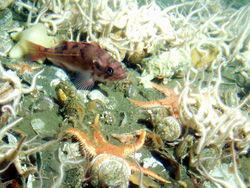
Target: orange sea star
[(101, 146), (170, 102), (23, 67)]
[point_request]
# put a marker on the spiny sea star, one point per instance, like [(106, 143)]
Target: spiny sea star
[(102, 146)]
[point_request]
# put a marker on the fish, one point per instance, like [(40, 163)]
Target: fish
[(88, 61)]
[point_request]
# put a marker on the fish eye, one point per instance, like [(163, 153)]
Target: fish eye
[(97, 65), (110, 70)]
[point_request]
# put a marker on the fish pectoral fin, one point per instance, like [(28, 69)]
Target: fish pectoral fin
[(84, 80)]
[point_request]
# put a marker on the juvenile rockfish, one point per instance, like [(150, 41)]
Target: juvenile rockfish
[(89, 61)]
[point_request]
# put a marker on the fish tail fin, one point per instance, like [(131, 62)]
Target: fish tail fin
[(34, 51)]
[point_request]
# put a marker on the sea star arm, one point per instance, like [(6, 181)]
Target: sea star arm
[(136, 146), (98, 138), (83, 141), (170, 102), (152, 104), (23, 67), (135, 168), (166, 91)]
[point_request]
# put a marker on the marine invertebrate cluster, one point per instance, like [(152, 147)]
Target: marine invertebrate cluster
[(5, 4), (120, 26), (205, 30), (72, 105), (16, 150), (216, 123), (127, 28)]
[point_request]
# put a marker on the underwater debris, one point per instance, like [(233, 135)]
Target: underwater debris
[(39, 126), (98, 95), (108, 117), (135, 179)]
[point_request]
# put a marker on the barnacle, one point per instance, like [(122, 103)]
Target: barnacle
[(109, 170), (167, 127)]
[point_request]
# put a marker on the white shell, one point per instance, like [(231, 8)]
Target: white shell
[(43, 103), (97, 95), (109, 171), (38, 125)]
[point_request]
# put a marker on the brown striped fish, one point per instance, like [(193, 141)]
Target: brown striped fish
[(89, 61)]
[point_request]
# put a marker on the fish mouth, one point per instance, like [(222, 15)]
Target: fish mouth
[(122, 76)]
